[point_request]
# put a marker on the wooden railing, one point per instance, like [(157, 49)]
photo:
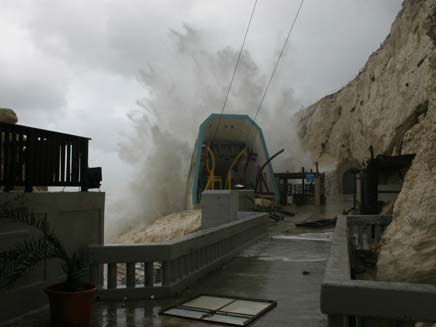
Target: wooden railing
[(36, 157), (356, 302), (163, 269)]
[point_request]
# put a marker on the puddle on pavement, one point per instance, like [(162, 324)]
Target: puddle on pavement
[(321, 237)]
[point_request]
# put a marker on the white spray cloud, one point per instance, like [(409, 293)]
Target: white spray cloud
[(182, 92)]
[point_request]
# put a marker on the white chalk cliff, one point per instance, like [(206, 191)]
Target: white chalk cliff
[(391, 105)]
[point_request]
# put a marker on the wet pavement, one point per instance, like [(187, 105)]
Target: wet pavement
[(286, 267)]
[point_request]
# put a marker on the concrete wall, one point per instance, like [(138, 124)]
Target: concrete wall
[(78, 220), (218, 207), (246, 200)]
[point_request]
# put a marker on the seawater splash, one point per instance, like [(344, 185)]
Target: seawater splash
[(182, 89)]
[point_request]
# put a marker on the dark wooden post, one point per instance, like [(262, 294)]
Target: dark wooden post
[(372, 186), (84, 165), (28, 161), (284, 193)]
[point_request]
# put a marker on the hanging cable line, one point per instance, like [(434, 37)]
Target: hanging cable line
[(236, 68), (276, 65)]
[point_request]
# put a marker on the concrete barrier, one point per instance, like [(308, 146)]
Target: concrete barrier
[(365, 302), (168, 267), (218, 207), (246, 200)]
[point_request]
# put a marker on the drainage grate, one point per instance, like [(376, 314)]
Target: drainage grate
[(229, 310)]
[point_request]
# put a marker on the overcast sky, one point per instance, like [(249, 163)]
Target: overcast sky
[(74, 66)]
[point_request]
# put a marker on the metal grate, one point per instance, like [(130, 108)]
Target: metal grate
[(229, 310)]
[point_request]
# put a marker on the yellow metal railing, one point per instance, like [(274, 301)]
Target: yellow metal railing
[(234, 162), (211, 170)]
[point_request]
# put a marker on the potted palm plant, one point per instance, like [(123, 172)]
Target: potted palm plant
[(71, 300)]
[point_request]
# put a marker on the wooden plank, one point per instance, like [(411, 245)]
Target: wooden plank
[(63, 149), (21, 158), (46, 162), (35, 161), (42, 171), (57, 149), (6, 163), (84, 164), (39, 158), (2, 141), (68, 167), (30, 146), (75, 163), (13, 170), (51, 159)]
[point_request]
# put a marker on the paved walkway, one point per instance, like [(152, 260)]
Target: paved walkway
[(287, 267)]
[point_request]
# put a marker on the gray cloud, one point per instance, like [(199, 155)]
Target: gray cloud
[(81, 66)]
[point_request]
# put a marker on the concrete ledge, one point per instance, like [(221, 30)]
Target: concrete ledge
[(341, 296), (169, 250), (183, 260), (386, 300)]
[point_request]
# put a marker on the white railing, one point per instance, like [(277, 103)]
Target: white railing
[(162, 269)]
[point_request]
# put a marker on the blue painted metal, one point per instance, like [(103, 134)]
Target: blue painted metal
[(200, 144)]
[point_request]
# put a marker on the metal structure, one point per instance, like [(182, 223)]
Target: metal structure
[(36, 157), (303, 192), (370, 176), (169, 267), (352, 302), (230, 150)]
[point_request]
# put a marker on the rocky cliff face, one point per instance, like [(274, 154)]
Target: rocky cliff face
[(390, 105)]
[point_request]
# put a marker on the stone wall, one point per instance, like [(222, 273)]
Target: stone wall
[(391, 105)]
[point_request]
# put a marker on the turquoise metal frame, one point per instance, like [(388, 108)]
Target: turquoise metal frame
[(200, 143)]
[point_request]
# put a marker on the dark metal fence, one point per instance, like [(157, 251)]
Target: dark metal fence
[(36, 157)]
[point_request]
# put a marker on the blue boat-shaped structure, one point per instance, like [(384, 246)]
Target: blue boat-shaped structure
[(229, 153)]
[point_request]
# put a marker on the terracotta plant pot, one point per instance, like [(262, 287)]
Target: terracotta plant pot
[(70, 308)]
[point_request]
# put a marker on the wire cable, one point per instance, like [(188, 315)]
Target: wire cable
[(276, 65), (235, 69)]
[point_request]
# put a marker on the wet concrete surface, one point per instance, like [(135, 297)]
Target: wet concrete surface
[(280, 268)]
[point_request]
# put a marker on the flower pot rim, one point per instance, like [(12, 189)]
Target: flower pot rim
[(57, 288)]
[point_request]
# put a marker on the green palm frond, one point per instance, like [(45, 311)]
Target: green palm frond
[(28, 253), (22, 216)]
